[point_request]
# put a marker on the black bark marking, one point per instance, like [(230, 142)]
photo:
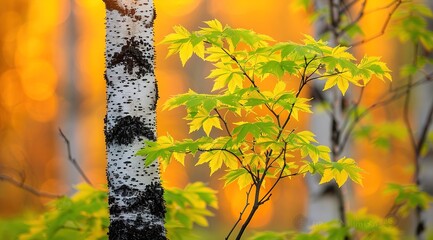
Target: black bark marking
[(156, 96), (113, 5), (118, 230), (130, 56), (148, 201), (107, 81), (126, 130), (150, 24)]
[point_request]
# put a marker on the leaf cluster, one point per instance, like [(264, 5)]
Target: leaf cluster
[(360, 225), (82, 216), (85, 215), (409, 197), (256, 145), (381, 134), (188, 207)]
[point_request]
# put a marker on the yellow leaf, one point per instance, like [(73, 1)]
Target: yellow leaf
[(341, 52), (209, 123), (327, 176), (340, 176), (324, 153), (84, 191), (215, 54), (199, 50), (280, 87), (203, 120), (341, 79), (244, 180), (215, 164), (204, 158), (306, 168), (216, 158), (229, 160), (306, 136), (180, 34), (215, 24), (330, 82), (185, 52), (180, 157), (220, 82), (235, 81), (343, 85)]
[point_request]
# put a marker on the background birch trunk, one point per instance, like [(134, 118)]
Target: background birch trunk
[(325, 201), (135, 194)]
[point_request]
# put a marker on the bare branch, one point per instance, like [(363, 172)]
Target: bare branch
[(27, 187), (346, 7), (247, 203), (397, 94), (424, 130), (406, 109), (358, 18), (72, 160), (384, 26), (224, 122)]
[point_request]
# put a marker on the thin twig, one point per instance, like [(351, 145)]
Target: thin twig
[(384, 26), (27, 187), (424, 130), (358, 18), (224, 122), (268, 194), (406, 110), (397, 94), (346, 7), (247, 203), (251, 79), (72, 160)]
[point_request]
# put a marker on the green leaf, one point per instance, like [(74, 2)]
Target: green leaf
[(226, 76), (215, 25), (268, 235), (262, 127), (216, 158), (412, 24), (409, 196), (185, 52), (241, 175), (341, 170), (165, 148), (188, 207), (202, 119), (372, 227), (370, 66), (341, 79)]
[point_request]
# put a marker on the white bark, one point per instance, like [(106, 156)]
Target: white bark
[(324, 201), (135, 193), (425, 178)]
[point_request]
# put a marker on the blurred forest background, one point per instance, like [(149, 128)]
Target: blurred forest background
[(51, 77)]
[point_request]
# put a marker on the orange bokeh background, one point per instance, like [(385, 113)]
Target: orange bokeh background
[(51, 76)]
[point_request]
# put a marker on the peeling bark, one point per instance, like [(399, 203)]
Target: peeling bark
[(136, 202)]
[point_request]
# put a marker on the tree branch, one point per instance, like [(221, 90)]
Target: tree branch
[(424, 130), (72, 160), (398, 93), (384, 26), (28, 188), (247, 203)]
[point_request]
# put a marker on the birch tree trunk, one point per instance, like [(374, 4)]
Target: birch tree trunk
[(135, 194), (326, 201)]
